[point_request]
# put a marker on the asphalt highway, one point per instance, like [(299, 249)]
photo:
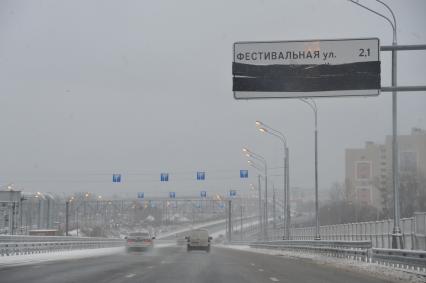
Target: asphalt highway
[(175, 264)]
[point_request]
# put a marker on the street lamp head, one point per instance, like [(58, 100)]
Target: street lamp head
[(263, 130), (245, 149), (248, 155), (258, 123), (249, 162)]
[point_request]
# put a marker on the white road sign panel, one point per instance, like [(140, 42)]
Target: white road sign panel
[(311, 68)]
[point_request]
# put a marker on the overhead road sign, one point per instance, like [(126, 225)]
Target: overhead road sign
[(201, 176), (141, 195), (203, 194), (116, 178), (172, 194), (164, 177), (232, 193), (243, 174), (311, 68)]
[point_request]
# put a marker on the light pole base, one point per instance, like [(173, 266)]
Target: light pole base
[(397, 240)]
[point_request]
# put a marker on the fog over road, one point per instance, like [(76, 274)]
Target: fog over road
[(174, 264)]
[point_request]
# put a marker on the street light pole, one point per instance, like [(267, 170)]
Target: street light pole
[(265, 166), (67, 207), (286, 183), (261, 224), (397, 239), (287, 197), (314, 108), (260, 205)]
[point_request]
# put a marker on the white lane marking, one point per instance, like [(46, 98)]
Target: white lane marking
[(130, 275), (252, 264), (151, 267), (163, 262), (260, 269), (274, 279)]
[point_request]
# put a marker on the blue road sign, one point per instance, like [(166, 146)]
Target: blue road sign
[(243, 173), (203, 194), (164, 177), (152, 204), (232, 193), (221, 205), (172, 194), (116, 178), (141, 195), (201, 176)]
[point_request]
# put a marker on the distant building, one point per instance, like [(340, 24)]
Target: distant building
[(369, 169)]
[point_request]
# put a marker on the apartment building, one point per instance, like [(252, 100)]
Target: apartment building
[(369, 169)]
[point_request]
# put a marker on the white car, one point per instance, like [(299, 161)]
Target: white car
[(198, 239), (139, 241)]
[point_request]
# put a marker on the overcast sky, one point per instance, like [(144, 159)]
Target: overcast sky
[(88, 88)]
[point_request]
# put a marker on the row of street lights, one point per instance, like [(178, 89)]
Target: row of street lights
[(264, 128)]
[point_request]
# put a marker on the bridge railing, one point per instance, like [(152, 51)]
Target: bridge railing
[(378, 232), (355, 250)]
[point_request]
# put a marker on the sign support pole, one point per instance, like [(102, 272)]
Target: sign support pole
[(229, 221), (67, 206), (397, 242)]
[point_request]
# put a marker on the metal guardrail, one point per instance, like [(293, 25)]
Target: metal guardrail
[(356, 250), (27, 238), (20, 245), (407, 259), (333, 244), (343, 249)]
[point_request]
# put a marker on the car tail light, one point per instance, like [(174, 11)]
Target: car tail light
[(130, 241)]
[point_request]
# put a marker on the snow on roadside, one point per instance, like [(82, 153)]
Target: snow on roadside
[(18, 260), (245, 225), (374, 269), (168, 234)]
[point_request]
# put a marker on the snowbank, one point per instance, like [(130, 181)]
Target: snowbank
[(59, 255), (375, 270)]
